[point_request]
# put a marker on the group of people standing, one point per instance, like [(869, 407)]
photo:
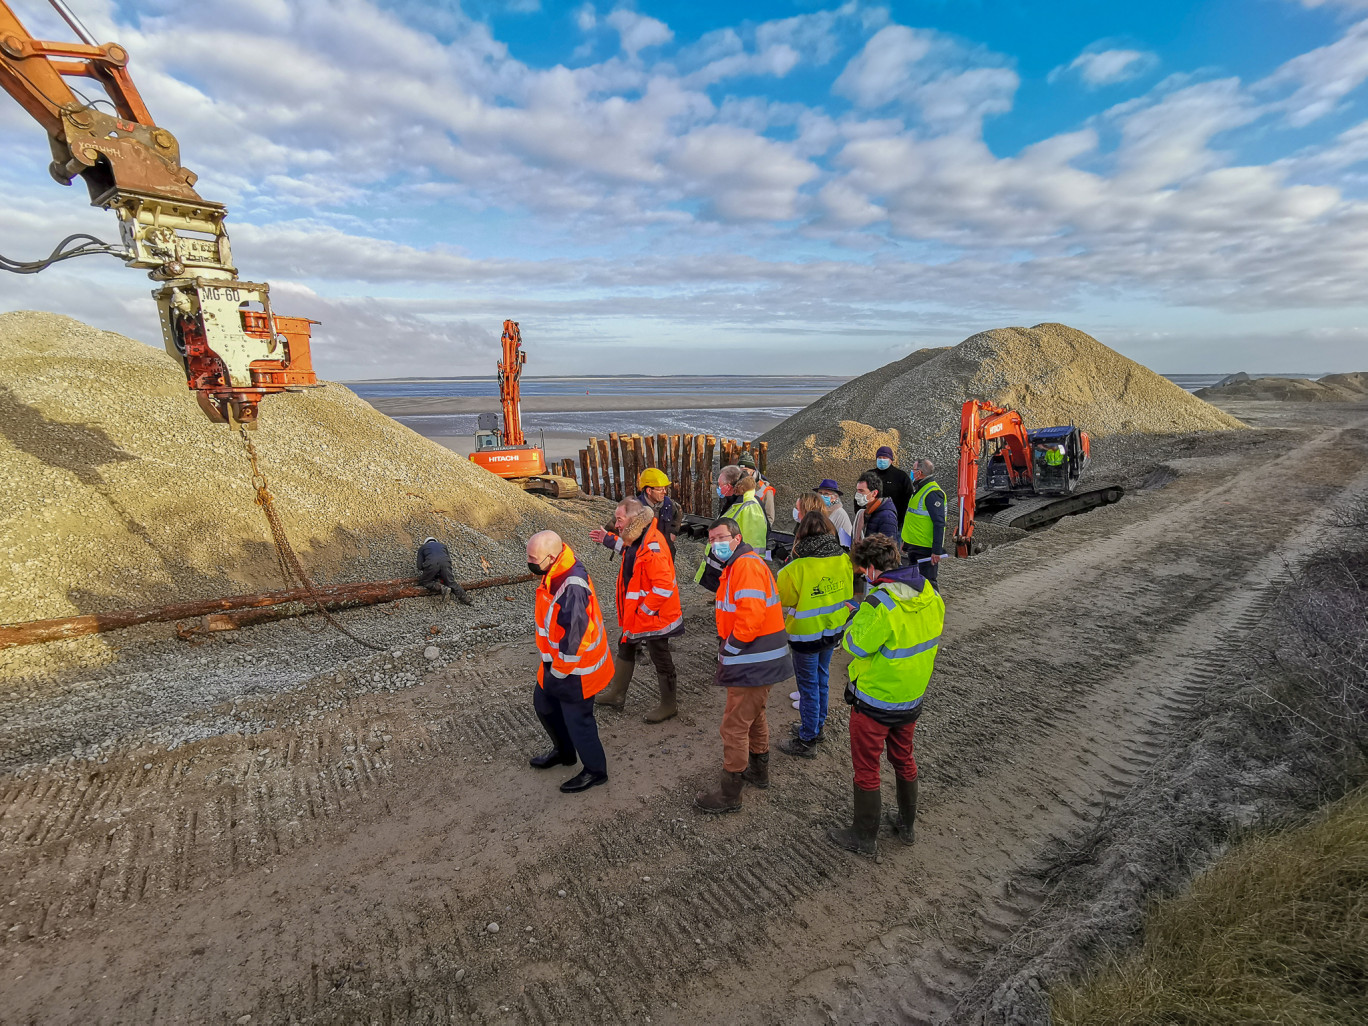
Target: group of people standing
[(867, 584)]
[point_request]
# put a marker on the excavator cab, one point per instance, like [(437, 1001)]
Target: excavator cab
[(1060, 455), (487, 434)]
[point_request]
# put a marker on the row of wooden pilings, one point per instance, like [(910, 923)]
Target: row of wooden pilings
[(610, 467)]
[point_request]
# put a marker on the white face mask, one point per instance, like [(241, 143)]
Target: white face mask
[(862, 498), (796, 517)]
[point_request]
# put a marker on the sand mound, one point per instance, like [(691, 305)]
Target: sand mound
[(1052, 373), (117, 492), (1333, 388)]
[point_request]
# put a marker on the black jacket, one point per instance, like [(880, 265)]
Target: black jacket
[(898, 487), (434, 564)]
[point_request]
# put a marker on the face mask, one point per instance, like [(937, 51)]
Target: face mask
[(719, 492), (722, 550), (862, 498), (536, 569), (796, 517), (883, 464), (830, 500)]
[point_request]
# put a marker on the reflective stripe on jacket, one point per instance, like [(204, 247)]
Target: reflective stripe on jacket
[(754, 649), (816, 594), (648, 604), (571, 638), (919, 528), (894, 637)]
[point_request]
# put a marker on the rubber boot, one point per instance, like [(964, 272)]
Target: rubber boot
[(615, 694), (757, 773), (863, 836), (667, 709), (726, 798), (907, 810)]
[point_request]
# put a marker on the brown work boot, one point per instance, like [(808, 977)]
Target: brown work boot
[(726, 798), (667, 709), (903, 822), (863, 836), (615, 694), (757, 773)]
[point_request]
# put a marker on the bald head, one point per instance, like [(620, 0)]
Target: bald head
[(542, 545)]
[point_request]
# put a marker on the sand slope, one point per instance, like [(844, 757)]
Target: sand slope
[(115, 491), (1333, 388), (1051, 373)]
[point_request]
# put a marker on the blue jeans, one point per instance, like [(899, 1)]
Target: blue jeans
[(813, 670)]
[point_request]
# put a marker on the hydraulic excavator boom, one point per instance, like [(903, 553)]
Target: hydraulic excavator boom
[(510, 391), (233, 348)]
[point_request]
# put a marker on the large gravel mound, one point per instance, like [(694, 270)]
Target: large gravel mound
[(116, 491), (1333, 388), (1051, 373)]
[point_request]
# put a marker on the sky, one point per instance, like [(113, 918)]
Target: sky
[(769, 187)]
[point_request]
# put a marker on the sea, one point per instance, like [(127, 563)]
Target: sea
[(776, 397)]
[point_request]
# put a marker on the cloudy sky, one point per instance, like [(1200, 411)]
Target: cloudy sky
[(673, 187)]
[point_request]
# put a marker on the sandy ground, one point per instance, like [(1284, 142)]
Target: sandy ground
[(337, 851)]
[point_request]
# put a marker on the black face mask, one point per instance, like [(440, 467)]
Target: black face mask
[(536, 569)]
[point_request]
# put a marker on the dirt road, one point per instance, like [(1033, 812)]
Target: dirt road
[(348, 862)]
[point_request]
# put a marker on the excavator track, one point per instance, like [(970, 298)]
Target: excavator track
[(1033, 514)]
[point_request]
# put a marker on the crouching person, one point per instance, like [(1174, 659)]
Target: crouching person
[(893, 637), (575, 661), (434, 570), (752, 656)]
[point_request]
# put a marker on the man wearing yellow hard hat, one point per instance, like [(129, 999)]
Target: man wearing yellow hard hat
[(653, 488)]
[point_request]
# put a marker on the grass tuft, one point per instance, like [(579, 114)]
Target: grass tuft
[(1275, 932)]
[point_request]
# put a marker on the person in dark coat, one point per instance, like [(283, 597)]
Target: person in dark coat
[(897, 485), (434, 570)]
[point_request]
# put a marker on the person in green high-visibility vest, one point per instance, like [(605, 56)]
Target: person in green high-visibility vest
[(923, 532), (749, 515)]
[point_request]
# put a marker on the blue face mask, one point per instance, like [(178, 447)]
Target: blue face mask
[(722, 550), (830, 500), (719, 492), (882, 463)]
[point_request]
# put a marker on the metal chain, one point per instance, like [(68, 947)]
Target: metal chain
[(290, 567)]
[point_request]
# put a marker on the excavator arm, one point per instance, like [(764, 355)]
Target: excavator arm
[(982, 422), (510, 389), (222, 330)]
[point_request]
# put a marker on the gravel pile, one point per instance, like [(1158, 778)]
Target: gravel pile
[(117, 492), (1333, 388), (1051, 373)]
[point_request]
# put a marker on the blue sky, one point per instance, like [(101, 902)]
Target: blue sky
[(676, 187)]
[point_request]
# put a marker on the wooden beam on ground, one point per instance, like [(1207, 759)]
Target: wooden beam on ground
[(340, 596)]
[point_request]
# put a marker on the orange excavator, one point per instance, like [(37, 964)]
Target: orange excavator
[(1025, 478), (506, 452), (233, 348)]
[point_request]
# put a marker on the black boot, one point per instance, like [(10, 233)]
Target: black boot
[(555, 757), (863, 836), (726, 798), (907, 810), (757, 773)]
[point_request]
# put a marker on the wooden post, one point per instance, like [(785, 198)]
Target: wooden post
[(593, 467), (605, 470), (615, 462), (639, 458), (586, 482), (663, 448), (684, 485), (703, 457), (651, 460), (764, 457), (674, 469)]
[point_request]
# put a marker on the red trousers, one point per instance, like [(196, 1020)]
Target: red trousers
[(868, 739)]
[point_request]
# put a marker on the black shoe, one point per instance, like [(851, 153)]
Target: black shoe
[(797, 746), (796, 730), (555, 757), (585, 780)]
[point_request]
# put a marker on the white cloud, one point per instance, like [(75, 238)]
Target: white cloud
[(1323, 77), (1102, 67), (637, 31)]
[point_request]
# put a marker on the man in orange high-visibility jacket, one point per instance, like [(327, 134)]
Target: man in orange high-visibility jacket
[(752, 656), (648, 608), (575, 661)]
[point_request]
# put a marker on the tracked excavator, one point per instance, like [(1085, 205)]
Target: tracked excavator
[(222, 331), (1020, 477), (507, 452)]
